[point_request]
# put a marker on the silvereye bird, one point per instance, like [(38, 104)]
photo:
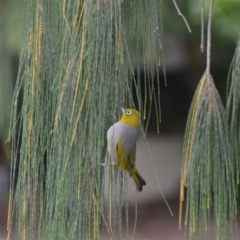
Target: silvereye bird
[(122, 138)]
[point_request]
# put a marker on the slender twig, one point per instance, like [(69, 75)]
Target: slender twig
[(181, 15), (209, 37), (202, 27)]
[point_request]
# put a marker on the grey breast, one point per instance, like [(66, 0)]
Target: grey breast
[(127, 133)]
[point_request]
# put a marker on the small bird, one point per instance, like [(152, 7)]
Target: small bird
[(122, 138)]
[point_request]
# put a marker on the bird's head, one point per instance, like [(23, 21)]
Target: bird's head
[(130, 117)]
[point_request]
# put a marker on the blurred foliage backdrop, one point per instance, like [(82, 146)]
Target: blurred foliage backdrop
[(225, 32)]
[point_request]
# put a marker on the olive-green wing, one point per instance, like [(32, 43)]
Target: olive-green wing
[(126, 158)]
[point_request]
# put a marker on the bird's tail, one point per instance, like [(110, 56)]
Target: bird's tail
[(138, 180)]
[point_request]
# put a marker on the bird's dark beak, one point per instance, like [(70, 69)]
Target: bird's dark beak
[(122, 109)]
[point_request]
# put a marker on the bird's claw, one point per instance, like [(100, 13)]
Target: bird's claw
[(103, 164)]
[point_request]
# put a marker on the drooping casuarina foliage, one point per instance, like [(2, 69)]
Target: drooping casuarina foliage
[(76, 66)]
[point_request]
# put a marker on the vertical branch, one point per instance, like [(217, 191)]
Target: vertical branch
[(209, 37), (202, 27)]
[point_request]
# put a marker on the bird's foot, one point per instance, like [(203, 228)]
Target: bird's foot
[(105, 164)]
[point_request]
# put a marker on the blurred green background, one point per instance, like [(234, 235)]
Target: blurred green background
[(185, 65)]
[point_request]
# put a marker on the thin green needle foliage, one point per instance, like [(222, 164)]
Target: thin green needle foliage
[(207, 171), (76, 66), (233, 111)]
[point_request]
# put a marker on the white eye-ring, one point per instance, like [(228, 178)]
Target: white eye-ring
[(128, 112)]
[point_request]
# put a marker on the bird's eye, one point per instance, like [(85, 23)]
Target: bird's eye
[(128, 112)]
